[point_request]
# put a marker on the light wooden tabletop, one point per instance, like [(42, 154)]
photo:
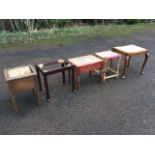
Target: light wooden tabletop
[(84, 60), (130, 49)]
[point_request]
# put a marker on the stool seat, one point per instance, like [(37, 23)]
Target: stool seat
[(18, 72), (107, 54)]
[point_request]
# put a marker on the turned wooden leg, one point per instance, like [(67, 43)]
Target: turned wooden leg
[(63, 74), (73, 79), (144, 63), (14, 103), (77, 80), (126, 59), (129, 62), (46, 87)]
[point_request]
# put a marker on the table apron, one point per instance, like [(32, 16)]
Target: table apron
[(90, 67), (133, 54)]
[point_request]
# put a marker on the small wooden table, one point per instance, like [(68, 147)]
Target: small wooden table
[(129, 51), (21, 78), (85, 63), (53, 67)]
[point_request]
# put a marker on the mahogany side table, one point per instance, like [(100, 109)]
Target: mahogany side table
[(86, 63)]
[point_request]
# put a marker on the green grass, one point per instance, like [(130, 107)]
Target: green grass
[(67, 35)]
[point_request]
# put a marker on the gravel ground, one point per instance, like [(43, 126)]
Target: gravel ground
[(114, 107)]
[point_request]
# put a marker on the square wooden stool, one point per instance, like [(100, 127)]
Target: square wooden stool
[(53, 67), (107, 57), (84, 64), (21, 78), (129, 51)]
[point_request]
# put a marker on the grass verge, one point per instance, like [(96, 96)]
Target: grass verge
[(67, 35)]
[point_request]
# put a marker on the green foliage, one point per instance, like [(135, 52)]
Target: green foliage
[(66, 35), (21, 25), (60, 22), (131, 21)]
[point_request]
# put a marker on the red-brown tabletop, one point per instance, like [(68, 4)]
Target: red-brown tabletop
[(85, 64)]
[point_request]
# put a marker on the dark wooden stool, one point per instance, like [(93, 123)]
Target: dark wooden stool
[(64, 66)]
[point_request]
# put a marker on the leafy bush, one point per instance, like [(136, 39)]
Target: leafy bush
[(33, 24), (60, 22)]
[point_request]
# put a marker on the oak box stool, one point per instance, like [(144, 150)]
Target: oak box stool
[(108, 57), (21, 78)]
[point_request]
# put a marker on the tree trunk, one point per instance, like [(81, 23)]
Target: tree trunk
[(11, 24)]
